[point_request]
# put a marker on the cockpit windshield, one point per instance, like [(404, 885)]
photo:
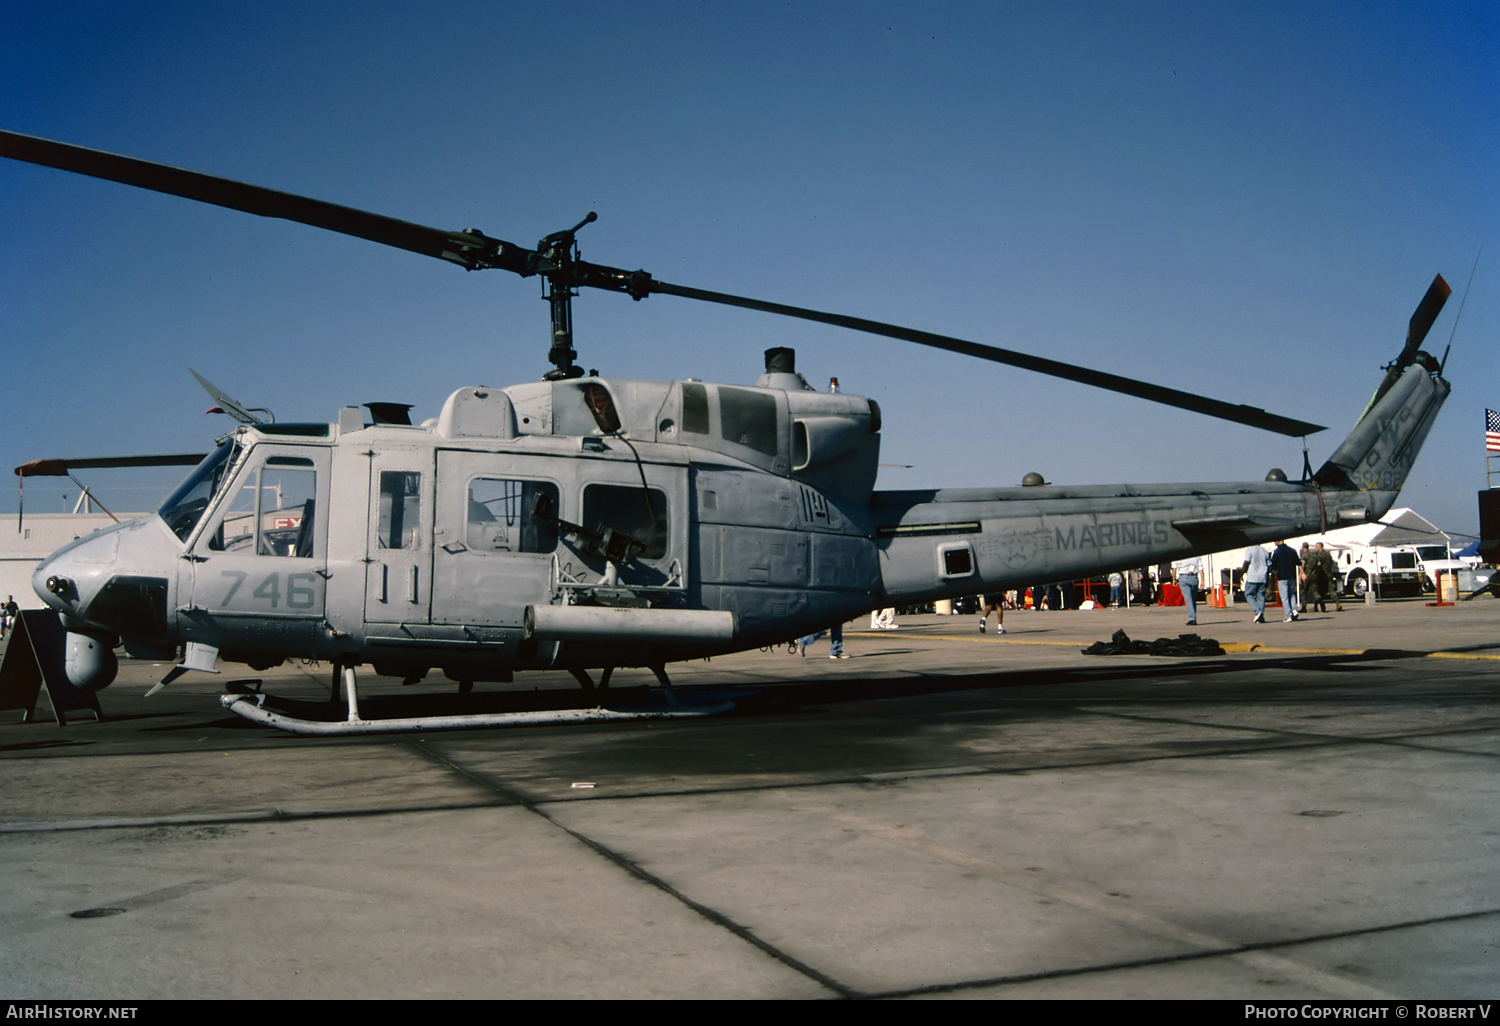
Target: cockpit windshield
[(184, 507)]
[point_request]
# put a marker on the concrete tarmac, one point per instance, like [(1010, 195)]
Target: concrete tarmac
[(945, 814)]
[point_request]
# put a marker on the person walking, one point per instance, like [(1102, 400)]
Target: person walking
[(995, 602), (1148, 586), (1285, 565), (836, 638), (1322, 579), (1187, 571), (1305, 555), (1256, 569)]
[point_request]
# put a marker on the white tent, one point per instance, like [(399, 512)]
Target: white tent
[(1400, 527)]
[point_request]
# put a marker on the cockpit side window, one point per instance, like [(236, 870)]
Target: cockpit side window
[(274, 511), (236, 531)]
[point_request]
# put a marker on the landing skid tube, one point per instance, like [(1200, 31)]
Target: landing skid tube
[(254, 706)]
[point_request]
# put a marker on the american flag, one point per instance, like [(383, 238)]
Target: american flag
[(1491, 431)]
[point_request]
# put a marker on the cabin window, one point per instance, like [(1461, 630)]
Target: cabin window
[(640, 513), (400, 510), (748, 418), (694, 408), (273, 513), (500, 516)]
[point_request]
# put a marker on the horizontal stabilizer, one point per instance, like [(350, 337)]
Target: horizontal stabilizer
[(1228, 521)]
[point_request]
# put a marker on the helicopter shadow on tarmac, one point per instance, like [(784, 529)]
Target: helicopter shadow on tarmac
[(851, 693)]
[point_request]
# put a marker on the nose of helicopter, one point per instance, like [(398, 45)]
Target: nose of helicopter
[(69, 578)]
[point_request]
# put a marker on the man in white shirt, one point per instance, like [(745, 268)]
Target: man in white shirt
[(1256, 570), (1186, 571)]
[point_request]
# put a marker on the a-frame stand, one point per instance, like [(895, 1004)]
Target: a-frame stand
[(33, 659)]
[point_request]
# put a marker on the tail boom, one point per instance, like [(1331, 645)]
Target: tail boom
[(948, 543)]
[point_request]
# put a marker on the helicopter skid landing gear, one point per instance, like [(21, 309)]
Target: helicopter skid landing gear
[(666, 685), (262, 708), (659, 671), (584, 680), (587, 682)]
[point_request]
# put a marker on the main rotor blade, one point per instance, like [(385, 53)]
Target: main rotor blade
[(468, 249), (1249, 415), (474, 250), (60, 468)]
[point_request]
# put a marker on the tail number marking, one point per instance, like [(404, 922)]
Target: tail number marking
[(299, 592)]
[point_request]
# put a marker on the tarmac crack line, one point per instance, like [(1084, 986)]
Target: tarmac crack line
[(1332, 983), (635, 870), (220, 818), (1314, 739), (1140, 963)]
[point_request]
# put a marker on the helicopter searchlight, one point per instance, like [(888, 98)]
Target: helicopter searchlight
[(591, 523)]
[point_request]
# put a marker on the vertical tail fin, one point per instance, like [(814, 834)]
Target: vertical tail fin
[(1380, 451)]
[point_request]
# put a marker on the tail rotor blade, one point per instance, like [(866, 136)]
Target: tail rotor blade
[(1427, 311)]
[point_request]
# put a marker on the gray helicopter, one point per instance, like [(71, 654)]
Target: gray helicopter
[(588, 523)]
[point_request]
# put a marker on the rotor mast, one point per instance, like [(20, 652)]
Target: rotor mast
[(560, 250)]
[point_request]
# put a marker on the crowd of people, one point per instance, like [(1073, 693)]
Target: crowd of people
[(1308, 579), (1305, 580)]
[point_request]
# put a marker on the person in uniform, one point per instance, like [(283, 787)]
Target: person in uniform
[(1322, 580), (1305, 556)]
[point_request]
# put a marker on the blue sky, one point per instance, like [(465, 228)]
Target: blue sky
[(1245, 200)]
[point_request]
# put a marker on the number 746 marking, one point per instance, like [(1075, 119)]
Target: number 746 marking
[(301, 591)]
